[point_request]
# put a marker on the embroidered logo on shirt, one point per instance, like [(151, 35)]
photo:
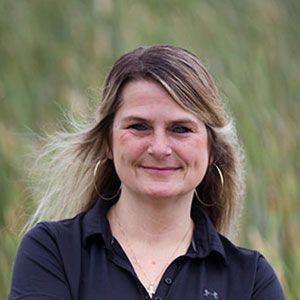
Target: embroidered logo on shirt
[(211, 294)]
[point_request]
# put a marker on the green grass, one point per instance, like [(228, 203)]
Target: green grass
[(55, 54)]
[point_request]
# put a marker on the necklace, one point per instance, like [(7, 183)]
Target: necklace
[(151, 287)]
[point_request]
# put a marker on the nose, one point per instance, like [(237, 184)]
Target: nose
[(159, 145)]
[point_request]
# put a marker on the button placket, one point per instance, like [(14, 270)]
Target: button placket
[(166, 282)]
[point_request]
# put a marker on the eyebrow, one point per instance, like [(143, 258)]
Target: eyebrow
[(175, 121)]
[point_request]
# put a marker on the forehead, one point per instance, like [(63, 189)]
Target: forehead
[(148, 98)]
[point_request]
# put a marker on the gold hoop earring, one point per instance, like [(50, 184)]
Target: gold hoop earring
[(202, 202), (220, 174), (100, 163)]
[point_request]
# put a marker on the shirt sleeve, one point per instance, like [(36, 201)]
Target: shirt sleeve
[(38, 269), (266, 285)]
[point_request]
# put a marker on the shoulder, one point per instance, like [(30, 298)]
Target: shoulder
[(48, 248), (239, 254), (52, 239), (41, 267), (252, 265), (56, 229), (55, 232), (68, 234)]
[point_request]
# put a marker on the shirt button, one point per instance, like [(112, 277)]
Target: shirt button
[(168, 281), (157, 298)]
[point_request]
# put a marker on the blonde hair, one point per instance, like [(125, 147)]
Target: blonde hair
[(70, 187)]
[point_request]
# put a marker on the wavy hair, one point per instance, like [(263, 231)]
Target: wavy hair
[(69, 158)]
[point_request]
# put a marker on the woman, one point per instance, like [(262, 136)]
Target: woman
[(154, 179)]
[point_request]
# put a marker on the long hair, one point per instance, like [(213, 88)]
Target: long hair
[(71, 187)]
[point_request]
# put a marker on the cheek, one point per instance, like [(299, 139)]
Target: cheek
[(120, 142), (199, 154), (120, 139), (126, 147)]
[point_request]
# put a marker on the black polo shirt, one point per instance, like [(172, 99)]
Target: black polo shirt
[(79, 258)]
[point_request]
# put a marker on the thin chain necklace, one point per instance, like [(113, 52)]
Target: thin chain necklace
[(151, 287)]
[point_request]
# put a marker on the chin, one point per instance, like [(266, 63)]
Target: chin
[(161, 194)]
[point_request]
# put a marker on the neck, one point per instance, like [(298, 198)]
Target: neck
[(152, 232), (153, 219)]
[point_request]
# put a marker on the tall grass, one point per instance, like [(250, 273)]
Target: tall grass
[(54, 54)]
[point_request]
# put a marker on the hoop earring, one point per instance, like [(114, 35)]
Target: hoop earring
[(220, 174), (202, 202), (100, 163)]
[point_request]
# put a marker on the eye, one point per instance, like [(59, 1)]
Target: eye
[(138, 127), (181, 129)]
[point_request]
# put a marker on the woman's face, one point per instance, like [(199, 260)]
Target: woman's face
[(159, 149)]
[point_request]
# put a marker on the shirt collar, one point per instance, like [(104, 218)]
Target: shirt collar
[(206, 240), (95, 222)]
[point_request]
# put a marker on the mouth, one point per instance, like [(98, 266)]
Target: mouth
[(160, 170)]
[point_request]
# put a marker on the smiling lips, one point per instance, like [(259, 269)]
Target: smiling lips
[(160, 170)]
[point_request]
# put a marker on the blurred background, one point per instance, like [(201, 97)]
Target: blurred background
[(54, 56)]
